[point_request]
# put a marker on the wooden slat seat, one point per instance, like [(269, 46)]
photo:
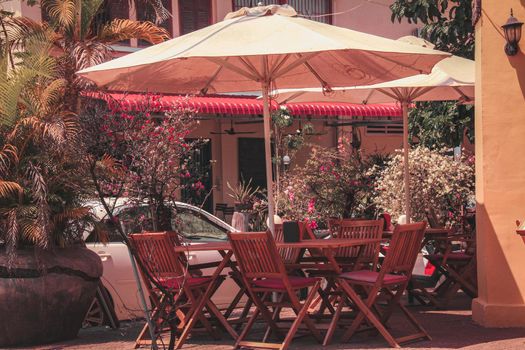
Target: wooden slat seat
[(263, 273), (365, 289)]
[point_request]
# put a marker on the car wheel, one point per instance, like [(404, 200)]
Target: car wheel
[(96, 316)]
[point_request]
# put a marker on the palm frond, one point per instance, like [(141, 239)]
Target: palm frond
[(52, 94), (61, 12), (123, 29), (10, 93), (110, 165), (89, 10), (30, 229), (8, 157), (101, 232), (10, 188), (75, 214), (89, 53), (38, 184), (11, 233), (39, 193), (21, 29)]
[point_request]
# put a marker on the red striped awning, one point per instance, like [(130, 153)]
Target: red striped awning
[(240, 105), (344, 109)]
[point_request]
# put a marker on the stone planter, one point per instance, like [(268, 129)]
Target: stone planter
[(46, 294), (241, 221)]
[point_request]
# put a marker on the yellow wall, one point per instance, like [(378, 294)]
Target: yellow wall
[(500, 170)]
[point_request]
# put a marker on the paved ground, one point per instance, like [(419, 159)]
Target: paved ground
[(450, 329)]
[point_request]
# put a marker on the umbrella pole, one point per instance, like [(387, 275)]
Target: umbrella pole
[(404, 106), (268, 154)]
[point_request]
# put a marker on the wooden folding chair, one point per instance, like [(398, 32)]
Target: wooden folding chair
[(181, 292), (263, 273), (389, 283), (350, 258), (459, 268)]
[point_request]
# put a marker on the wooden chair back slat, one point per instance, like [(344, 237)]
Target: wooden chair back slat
[(257, 255), (360, 229), (333, 226), (155, 250), (404, 248)]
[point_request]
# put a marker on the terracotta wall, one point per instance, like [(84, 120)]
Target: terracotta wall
[(225, 148), (500, 170), (370, 17)]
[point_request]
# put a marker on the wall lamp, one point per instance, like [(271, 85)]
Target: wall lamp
[(512, 30)]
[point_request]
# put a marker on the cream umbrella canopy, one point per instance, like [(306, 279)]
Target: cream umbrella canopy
[(259, 49), (451, 79)]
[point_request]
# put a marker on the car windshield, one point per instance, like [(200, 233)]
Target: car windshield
[(190, 223), (196, 225)]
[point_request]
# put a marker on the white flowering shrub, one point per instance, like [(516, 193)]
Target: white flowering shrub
[(438, 183)]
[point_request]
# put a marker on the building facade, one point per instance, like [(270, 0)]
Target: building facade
[(236, 156), (500, 169)]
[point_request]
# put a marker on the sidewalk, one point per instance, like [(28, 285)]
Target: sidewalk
[(450, 329)]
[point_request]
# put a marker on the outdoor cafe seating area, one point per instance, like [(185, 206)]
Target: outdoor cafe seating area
[(294, 282)]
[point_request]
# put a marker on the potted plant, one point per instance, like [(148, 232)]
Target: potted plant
[(47, 277), (244, 195)]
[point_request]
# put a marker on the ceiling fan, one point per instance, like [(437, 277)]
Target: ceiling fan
[(301, 132), (231, 131)]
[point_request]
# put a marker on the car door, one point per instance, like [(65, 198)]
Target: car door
[(118, 276)]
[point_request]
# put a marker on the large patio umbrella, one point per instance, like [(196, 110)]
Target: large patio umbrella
[(260, 49), (451, 79)]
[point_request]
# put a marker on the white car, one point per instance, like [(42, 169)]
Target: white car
[(195, 224)]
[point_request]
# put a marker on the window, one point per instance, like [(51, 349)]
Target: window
[(304, 7), (384, 129), (194, 15), (145, 12), (196, 226)]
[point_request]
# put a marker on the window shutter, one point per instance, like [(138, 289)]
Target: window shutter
[(194, 15)]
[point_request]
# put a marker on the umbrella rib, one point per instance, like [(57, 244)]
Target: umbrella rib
[(250, 67), (280, 64), (421, 91), (394, 95), (296, 63), (204, 90), (396, 62), (234, 68), (324, 84), (463, 96), (293, 97), (365, 101)]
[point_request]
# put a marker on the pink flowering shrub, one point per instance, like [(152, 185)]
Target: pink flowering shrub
[(331, 184), (143, 156), (439, 184)]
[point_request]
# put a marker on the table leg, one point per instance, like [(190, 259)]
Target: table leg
[(204, 300)]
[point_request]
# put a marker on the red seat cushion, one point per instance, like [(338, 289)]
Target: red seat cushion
[(177, 282), (371, 277), (278, 284)]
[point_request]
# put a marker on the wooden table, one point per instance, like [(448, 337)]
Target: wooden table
[(225, 249)]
